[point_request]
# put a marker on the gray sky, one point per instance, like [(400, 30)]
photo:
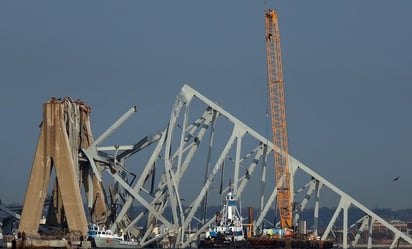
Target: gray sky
[(346, 71)]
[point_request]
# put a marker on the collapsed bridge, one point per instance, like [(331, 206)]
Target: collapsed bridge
[(180, 168)]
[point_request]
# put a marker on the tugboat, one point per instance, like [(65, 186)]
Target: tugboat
[(104, 238), (227, 232)]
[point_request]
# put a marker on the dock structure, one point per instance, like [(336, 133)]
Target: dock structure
[(171, 174)]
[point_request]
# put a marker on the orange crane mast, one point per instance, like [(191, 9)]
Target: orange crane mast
[(278, 114)]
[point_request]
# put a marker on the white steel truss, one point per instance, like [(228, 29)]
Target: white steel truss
[(170, 180)]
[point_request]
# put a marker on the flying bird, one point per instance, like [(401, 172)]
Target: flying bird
[(395, 179)]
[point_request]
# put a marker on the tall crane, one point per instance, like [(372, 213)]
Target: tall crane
[(278, 114)]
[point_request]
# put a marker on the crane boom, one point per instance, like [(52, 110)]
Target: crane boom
[(278, 114)]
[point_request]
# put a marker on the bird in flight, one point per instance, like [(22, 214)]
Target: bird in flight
[(395, 179)]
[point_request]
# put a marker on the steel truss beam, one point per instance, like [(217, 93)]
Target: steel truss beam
[(179, 143), (168, 186)]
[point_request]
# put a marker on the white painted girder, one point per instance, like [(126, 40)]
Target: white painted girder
[(178, 154)]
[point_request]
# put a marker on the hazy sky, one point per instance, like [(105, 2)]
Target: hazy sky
[(346, 71)]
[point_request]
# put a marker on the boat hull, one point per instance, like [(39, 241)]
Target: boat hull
[(114, 243), (223, 243)]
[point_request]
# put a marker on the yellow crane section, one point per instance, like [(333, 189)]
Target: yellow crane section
[(278, 114)]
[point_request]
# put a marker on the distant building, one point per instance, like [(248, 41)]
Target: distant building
[(404, 227)]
